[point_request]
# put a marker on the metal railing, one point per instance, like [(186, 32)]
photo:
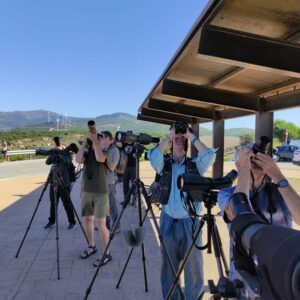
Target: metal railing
[(28, 152)]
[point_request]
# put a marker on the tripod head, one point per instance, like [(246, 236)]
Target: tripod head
[(135, 237), (138, 150)]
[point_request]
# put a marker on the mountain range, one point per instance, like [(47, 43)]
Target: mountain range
[(41, 120)]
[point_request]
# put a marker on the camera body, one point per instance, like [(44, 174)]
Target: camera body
[(263, 146), (180, 127)]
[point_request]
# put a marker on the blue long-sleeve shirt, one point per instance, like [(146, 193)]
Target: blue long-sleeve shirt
[(175, 207)]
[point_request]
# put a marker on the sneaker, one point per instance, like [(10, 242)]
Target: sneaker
[(49, 225), (72, 225), (107, 258)]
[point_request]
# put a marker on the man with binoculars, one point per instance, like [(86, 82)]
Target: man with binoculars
[(175, 223), (94, 193), (275, 202)]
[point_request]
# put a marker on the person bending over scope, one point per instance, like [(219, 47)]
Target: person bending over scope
[(275, 202), (61, 192)]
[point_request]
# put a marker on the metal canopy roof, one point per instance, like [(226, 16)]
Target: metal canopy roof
[(241, 57)]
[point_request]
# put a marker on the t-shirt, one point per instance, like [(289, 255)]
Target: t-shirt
[(94, 175), (113, 157)]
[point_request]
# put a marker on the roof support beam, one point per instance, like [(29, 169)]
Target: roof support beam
[(182, 109), (227, 76), (249, 50), (210, 95), (282, 101), (170, 116), (233, 113), (155, 120)]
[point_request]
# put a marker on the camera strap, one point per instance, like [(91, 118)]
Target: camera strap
[(256, 195)]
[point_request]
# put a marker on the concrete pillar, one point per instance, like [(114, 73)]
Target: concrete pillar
[(193, 150), (264, 125), (218, 142)]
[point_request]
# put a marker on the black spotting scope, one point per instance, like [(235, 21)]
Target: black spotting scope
[(131, 138), (194, 183)]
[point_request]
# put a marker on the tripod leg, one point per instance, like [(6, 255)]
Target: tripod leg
[(185, 260), (35, 210), (124, 269), (216, 246), (225, 264), (67, 193), (161, 239), (111, 236), (141, 224), (128, 258), (56, 228), (78, 220)]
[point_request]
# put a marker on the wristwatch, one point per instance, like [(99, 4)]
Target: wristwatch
[(282, 183)]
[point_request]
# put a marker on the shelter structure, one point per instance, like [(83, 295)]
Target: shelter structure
[(241, 57)]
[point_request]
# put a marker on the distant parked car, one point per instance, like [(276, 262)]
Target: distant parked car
[(285, 152), (296, 158)]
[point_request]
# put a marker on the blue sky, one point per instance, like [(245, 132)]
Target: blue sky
[(89, 58)]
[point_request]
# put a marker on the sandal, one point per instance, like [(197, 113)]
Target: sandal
[(107, 258), (86, 253)]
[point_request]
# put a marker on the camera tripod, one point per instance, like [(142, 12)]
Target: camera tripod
[(209, 199), (57, 181), (136, 187)]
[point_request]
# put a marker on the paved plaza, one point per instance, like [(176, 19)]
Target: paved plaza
[(33, 275)]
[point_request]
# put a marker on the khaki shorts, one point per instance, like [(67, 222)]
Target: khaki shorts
[(94, 204)]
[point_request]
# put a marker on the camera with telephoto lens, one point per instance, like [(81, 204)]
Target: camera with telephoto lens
[(266, 258), (180, 127), (58, 154), (131, 138)]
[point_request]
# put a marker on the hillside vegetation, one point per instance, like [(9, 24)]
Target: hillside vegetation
[(31, 130)]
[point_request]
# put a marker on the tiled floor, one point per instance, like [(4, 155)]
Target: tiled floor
[(33, 275)]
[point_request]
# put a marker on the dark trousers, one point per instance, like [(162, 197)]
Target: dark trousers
[(129, 176), (64, 195), (113, 208)]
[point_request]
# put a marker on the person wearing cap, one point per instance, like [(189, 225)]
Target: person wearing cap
[(94, 193), (275, 202), (175, 222), (113, 157)]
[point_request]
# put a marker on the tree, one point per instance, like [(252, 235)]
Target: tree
[(246, 138), (280, 127)]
